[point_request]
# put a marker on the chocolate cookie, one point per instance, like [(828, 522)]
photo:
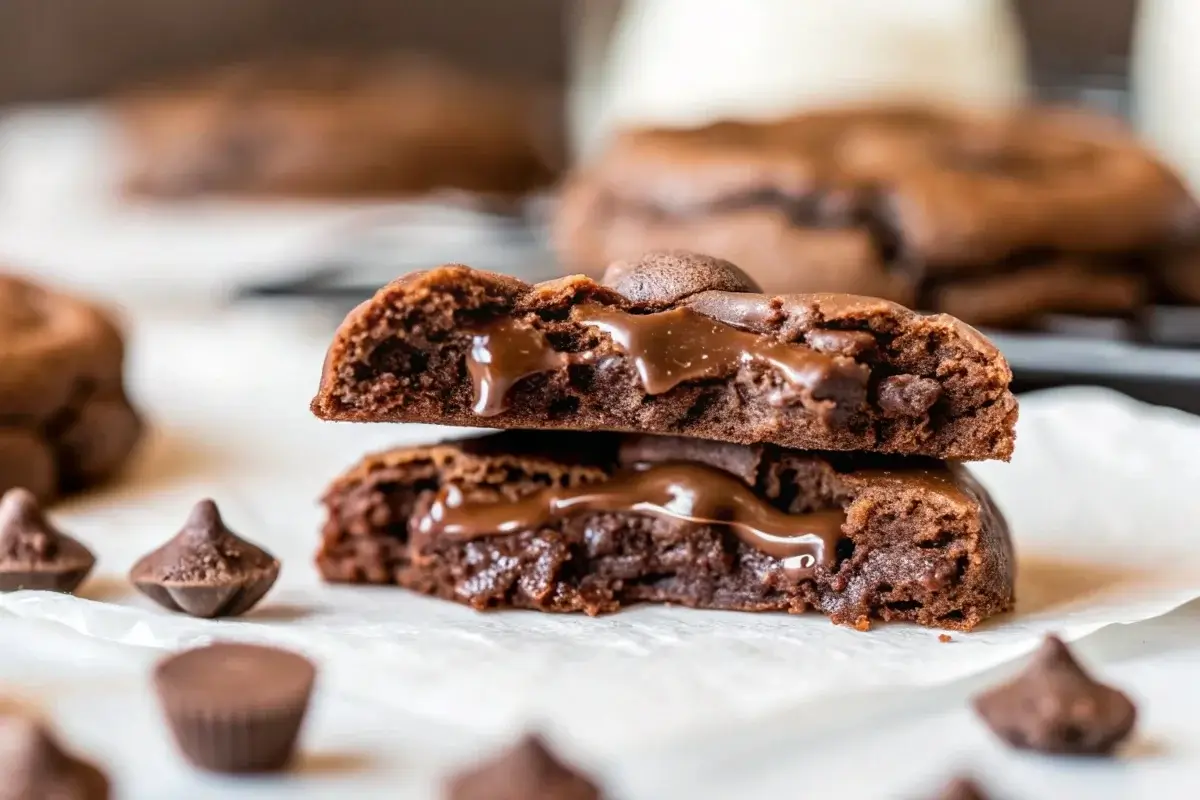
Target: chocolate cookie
[(675, 344), (65, 422), (995, 219), (337, 127), (564, 521)]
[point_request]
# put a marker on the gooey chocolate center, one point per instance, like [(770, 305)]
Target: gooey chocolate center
[(667, 348), (682, 491)]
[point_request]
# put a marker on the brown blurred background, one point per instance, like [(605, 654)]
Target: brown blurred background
[(57, 49)]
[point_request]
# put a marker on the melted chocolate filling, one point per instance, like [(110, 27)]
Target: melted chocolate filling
[(667, 348)]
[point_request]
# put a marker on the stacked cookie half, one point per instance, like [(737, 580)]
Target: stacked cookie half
[(673, 435)]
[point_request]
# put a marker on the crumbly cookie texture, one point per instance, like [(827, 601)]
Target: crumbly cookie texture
[(915, 539), (677, 344)]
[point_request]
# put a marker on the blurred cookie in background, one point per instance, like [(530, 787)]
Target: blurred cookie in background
[(996, 218), (65, 422), (339, 126)]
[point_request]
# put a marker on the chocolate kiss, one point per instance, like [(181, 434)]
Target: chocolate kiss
[(962, 789), (1055, 706), (206, 570), (33, 553), (526, 770), (34, 765)]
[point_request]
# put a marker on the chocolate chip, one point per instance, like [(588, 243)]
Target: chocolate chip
[(908, 395), (33, 765), (962, 789), (33, 553), (666, 278), (845, 386), (1054, 706), (939, 576), (206, 570), (235, 707), (851, 344), (528, 771)]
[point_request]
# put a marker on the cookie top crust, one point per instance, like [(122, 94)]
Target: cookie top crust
[(685, 354)]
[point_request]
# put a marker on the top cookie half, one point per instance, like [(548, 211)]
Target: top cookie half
[(675, 343)]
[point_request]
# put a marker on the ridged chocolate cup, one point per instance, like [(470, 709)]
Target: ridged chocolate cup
[(235, 707)]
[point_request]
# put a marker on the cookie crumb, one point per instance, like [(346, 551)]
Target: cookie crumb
[(945, 637)]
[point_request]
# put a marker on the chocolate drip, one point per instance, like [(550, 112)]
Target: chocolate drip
[(679, 345), (504, 353), (684, 491), (667, 349)]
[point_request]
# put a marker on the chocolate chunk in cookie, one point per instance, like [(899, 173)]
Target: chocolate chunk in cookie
[(526, 771), (206, 570), (457, 346), (591, 522), (1055, 706), (851, 344), (33, 553), (908, 395)]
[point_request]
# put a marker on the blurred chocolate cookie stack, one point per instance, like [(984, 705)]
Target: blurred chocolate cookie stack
[(999, 219), (339, 127)]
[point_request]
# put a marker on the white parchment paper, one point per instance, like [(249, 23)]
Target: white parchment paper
[(663, 703), (1102, 498)]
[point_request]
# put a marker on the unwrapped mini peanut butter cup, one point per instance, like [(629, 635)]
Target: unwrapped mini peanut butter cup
[(206, 570), (33, 553), (33, 766), (235, 707)]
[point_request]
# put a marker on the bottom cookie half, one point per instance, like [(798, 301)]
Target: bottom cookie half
[(595, 521)]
